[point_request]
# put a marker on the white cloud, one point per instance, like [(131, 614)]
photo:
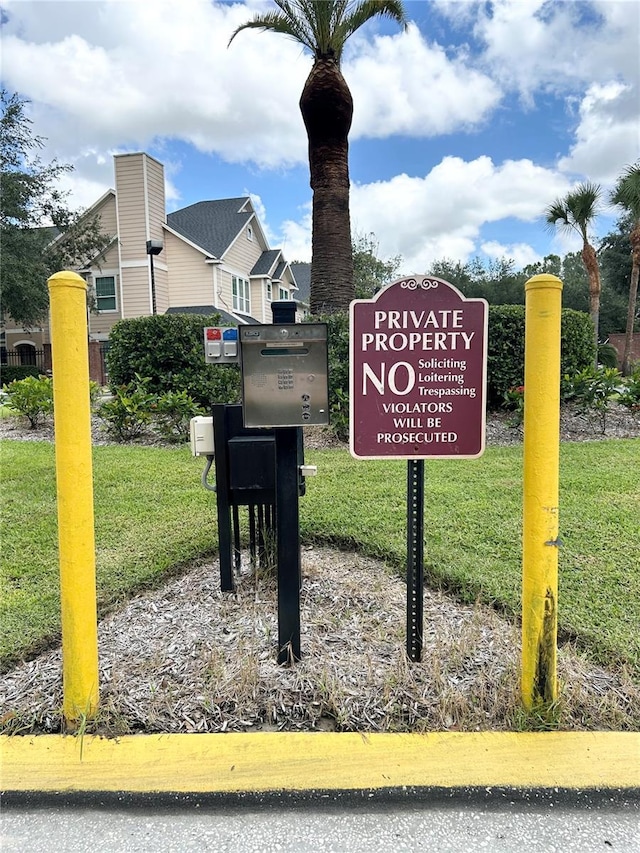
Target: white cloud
[(608, 135), (403, 85), (155, 73), (441, 214), (295, 237), (533, 43), (120, 74), (521, 253)]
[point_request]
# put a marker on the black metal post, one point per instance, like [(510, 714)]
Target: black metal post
[(222, 499), (153, 286), (288, 544), (415, 557), (154, 247)]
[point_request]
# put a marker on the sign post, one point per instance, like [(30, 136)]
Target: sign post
[(418, 365)]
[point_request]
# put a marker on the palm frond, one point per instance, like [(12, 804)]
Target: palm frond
[(285, 22), (323, 26), (626, 192), (358, 14), (583, 202), (557, 214)]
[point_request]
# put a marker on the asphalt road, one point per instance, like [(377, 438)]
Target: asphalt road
[(493, 820)]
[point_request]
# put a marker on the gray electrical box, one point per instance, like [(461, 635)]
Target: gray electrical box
[(284, 375)]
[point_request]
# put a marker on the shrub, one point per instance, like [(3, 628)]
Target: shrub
[(629, 395), (577, 342), (172, 415), (129, 413), (505, 360), (11, 373), (505, 363), (514, 402), (338, 356), (31, 397), (607, 355), (168, 350)]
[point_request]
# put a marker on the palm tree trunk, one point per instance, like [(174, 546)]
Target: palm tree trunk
[(590, 261), (327, 109), (633, 293)]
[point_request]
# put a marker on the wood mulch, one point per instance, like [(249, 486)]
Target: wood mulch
[(189, 658)]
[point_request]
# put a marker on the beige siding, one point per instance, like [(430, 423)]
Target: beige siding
[(107, 214), (244, 253), (140, 203), (156, 201), (101, 324), (140, 215), (260, 309), (132, 220), (190, 278), (136, 292), (240, 260)]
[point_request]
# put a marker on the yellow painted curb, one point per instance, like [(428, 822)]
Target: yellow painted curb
[(225, 763)]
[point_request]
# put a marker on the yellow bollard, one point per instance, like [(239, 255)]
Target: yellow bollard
[(541, 476), (76, 538)]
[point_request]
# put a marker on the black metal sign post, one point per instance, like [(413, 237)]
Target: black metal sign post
[(415, 557), (417, 379), (288, 544)]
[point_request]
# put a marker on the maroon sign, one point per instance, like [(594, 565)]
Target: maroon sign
[(418, 364)]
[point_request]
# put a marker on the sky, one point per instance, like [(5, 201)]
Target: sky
[(466, 125)]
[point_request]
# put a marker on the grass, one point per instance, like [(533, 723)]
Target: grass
[(152, 516), (473, 531)]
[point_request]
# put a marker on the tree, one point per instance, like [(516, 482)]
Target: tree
[(577, 212), (627, 195), (33, 213), (370, 272), (323, 27)]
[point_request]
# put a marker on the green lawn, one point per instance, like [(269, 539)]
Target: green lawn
[(152, 514)]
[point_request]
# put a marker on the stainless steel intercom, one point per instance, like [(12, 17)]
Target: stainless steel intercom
[(284, 374)]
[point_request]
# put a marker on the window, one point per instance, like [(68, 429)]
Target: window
[(106, 293), (240, 288), (283, 293), (249, 232), (268, 291)]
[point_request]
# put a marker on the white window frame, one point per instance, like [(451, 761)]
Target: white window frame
[(97, 278), (283, 293), (241, 294), (268, 289)]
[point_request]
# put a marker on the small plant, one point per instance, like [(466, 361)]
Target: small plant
[(594, 389), (31, 397), (172, 414), (129, 413), (629, 395), (514, 402), (339, 414), (95, 389)]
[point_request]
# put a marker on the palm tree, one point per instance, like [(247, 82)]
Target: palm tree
[(576, 212), (323, 27), (627, 194)]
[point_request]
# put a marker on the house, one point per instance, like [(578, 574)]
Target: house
[(210, 257)]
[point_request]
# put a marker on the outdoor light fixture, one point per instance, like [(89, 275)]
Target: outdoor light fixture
[(154, 247)]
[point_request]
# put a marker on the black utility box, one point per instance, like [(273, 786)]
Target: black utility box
[(252, 463)]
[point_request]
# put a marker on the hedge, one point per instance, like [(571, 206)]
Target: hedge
[(12, 373), (505, 363), (168, 350)]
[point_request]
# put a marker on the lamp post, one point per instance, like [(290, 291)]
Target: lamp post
[(154, 247)]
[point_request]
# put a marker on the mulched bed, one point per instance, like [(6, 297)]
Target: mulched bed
[(189, 658)]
